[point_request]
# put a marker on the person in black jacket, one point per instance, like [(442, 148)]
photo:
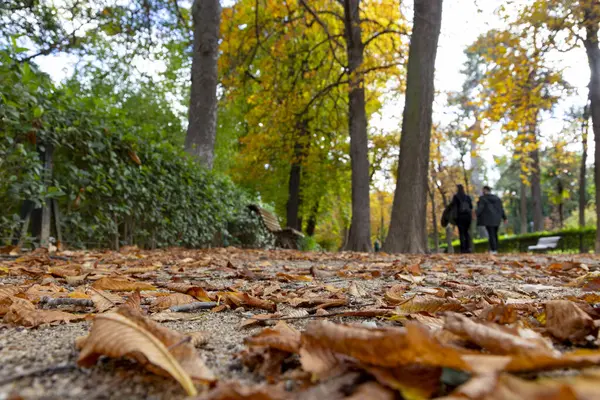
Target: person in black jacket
[(490, 214), (464, 209)]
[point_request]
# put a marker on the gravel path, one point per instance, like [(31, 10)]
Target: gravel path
[(40, 363)]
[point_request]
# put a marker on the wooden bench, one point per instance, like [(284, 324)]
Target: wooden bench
[(545, 244), (286, 238)]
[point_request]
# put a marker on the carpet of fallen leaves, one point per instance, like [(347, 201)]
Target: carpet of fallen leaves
[(262, 325)]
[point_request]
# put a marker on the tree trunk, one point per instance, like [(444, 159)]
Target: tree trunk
[(202, 127), (583, 168), (312, 220), (436, 235), (293, 203), (593, 55), (359, 238), (408, 225), (523, 208), (536, 187)]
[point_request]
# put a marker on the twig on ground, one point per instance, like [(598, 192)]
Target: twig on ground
[(198, 305), (51, 369), (63, 301)]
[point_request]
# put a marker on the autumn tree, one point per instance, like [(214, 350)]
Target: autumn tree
[(290, 63), (408, 230), (521, 84)]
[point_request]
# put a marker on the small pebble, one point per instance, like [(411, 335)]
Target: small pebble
[(370, 324)]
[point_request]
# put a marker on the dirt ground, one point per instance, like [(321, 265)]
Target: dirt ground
[(41, 362)]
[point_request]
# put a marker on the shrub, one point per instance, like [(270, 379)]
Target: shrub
[(571, 240), (115, 178)]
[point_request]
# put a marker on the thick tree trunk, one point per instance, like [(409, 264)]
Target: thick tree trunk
[(583, 168), (293, 203), (593, 54), (359, 238), (523, 208), (408, 225), (536, 186), (202, 127)]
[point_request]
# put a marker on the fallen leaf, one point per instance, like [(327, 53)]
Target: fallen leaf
[(23, 312), (175, 299), (429, 304), (289, 277), (567, 322), (104, 301), (356, 290), (395, 294), (496, 339), (324, 342), (234, 390), (114, 335), (121, 285), (238, 299), (281, 337)]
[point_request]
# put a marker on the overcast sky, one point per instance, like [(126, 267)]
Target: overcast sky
[(462, 22)]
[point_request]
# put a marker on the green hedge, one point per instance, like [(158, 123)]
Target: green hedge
[(115, 172), (571, 240)]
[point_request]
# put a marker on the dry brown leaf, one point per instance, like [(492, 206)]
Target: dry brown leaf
[(23, 312), (76, 280), (496, 339), (139, 270), (116, 336), (104, 301), (323, 342), (281, 337), (413, 381), (121, 285), (500, 314), (234, 390), (7, 291), (195, 291), (239, 299), (566, 321), (64, 271), (429, 304), (291, 278), (175, 299), (394, 295), (258, 319), (507, 387), (357, 291), (371, 390)]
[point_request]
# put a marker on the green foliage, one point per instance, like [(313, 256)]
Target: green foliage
[(570, 241), (116, 169), (309, 243)]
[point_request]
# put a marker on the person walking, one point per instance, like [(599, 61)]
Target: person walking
[(463, 208), (490, 213)]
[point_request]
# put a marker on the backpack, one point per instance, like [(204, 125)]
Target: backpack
[(464, 207)]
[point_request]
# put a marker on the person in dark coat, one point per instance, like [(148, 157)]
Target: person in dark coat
[(464, 210), (490, 213)]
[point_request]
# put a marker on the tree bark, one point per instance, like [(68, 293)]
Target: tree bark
[(583, 168), (311, 225), (523, 208), (293, 203), (359, 238), (408, 225), (536, 186), (202, 115), (593, 54)]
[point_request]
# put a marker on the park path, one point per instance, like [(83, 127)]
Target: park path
[(268, 317)]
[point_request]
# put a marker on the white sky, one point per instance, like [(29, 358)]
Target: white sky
[(462, 22)]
